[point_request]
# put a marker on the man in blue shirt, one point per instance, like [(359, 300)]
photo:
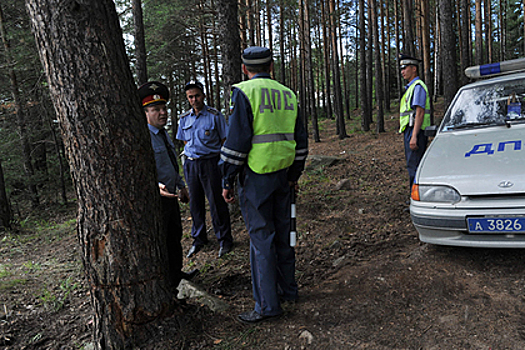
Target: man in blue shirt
[(154, 96), (267, 146), (203, 131), (414, 114)]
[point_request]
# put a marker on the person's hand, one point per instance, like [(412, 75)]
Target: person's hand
[(165, 193), (413, 143), (184, 196), (228, 195)]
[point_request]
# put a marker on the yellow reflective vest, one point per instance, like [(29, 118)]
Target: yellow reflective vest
[(405, 108), (274, 108)]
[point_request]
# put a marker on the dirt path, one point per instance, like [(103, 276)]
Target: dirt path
[(366, 282)]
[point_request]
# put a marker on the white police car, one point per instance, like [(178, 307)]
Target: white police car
[(469, 189)]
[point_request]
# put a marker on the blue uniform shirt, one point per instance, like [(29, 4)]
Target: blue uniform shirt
[(419, 98), (166, 173), (203, 134), (234, 153)]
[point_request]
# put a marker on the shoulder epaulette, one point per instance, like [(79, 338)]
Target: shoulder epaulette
[(213, 110), (188, 112)]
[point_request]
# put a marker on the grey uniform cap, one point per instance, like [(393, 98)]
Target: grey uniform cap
[(256, 55)]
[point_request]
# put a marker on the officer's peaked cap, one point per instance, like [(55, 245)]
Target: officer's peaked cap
[(153, 93), (405, 60), (256, 55), (194, 84)]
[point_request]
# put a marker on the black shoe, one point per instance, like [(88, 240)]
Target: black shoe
[(188, 276), (193, 250), (224, 250), (253, 316)]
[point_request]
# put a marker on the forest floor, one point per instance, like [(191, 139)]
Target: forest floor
[(366, 281)]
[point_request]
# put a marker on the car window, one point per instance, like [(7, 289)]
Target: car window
[(487, 105)]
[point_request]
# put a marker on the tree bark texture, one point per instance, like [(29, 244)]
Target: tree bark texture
[(465, 35), (380, 125), (282, 38), (448, 50), (488, 30), (409, 47), (6, 214), (112, 165), (399, 79), (140, 42), (326, 51), (336, 75), (310, 74), (479, 34), (230, 46)]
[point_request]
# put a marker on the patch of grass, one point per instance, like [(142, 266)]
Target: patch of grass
[(31, 266), (243, 340), (5, 270), (55, 302), (10, 284)]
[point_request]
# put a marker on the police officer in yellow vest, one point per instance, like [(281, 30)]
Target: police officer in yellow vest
[(414, 114), (267, 146)]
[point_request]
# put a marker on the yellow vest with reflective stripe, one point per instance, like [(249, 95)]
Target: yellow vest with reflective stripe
[(405, 108), (274, 108)]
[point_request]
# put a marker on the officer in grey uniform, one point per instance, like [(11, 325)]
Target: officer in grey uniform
[(154, 96), (203, 131)]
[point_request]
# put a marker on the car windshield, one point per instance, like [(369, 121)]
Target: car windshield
[(487, 105)]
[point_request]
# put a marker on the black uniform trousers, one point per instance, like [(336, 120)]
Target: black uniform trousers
[(173, 227)]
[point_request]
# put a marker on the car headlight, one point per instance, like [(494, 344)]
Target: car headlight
[(443, 194)]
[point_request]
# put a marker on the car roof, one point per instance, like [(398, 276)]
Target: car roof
[(494, 80)]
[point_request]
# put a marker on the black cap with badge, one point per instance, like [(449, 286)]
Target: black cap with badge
[(153, 93), (405, 60)]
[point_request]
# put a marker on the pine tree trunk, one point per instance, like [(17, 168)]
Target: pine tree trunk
[(112, 166), (502, 30), (6, 216), (140, 42), (488, 30), (230, 46), (448, 51), (409, 39), (478, 35), (336, 74), (380, 126), (303, 99), (425, 21), (365, 111), (386, 61), (270, 30), (326, 49), (310, 75), (399, 80), (465, 40), (282, 36)]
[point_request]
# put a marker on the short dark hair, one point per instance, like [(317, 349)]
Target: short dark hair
[(263, 68)]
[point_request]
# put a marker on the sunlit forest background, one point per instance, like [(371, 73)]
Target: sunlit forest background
[(340, 56)]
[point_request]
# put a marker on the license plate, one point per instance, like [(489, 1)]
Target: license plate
[(496, 225)]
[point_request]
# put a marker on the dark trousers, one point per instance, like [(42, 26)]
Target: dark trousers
[(413, 158), (265, 204), (204, 180), (173, 228)]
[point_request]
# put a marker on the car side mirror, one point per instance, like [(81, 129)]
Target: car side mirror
[(431, 130)]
